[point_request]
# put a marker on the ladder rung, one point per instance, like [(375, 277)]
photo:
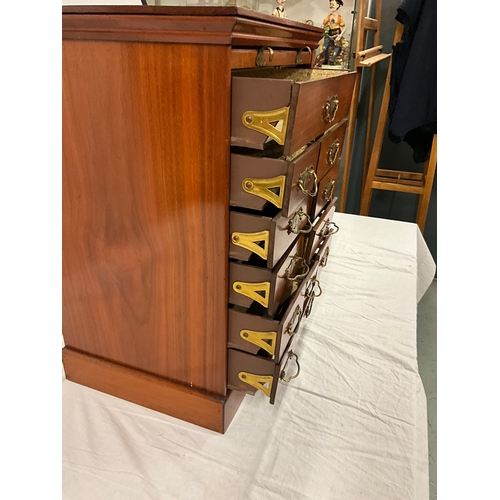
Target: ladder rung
[(373, 60), (393, 186), (370, 52), (399, 174), (370, 24)]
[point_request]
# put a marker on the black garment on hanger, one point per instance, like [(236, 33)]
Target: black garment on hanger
[(413, 97)]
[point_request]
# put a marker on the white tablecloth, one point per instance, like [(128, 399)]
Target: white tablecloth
[(353, 425)]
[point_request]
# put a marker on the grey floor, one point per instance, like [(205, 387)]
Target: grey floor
[(427, 364)]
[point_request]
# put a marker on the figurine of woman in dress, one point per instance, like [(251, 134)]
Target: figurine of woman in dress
[(334, 27), (279, 11)]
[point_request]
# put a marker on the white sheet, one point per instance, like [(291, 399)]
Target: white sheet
[(353, 425)]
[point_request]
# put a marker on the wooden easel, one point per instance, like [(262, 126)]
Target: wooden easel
[(397, 180), (365, 58)]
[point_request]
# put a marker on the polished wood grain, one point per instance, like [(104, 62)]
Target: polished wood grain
[(307, 107), (304, 91), (194, 406), (145, 206), (327, 189)]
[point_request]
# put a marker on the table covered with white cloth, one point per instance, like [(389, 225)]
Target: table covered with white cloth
[(353, 425)]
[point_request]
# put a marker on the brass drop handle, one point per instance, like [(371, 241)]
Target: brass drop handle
[(327, 230), (298, 58), (304, 179), (291, 267), (293, 223), (330, 109), (310, 296), (291, 329), (324, 259), (333, 152), (260, 60), (311, 293), (327, 194), (291, 354)]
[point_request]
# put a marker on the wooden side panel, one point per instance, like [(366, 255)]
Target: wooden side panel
[(255, 94), (245, 166), (239, 321), (145, 206), (246, 223), (200, 408)]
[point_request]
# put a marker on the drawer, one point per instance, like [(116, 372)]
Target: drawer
[(248, 373), (323, 228), (260, 182), (252, 286), (331, 149), (265, 237), (326, 190), (263, 335), (289, 106)]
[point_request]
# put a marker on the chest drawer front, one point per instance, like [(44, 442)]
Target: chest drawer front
[(291, 106), (257, 183), (255, 235), (331, 150), (268, 288), (326, 190), (324, 227)]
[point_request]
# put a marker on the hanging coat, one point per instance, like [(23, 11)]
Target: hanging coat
[(413, 97)]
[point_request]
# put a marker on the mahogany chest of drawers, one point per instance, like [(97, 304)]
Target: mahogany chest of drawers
[(200, 155)]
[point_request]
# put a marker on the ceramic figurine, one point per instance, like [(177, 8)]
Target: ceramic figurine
[(334, 27), (279, 11)]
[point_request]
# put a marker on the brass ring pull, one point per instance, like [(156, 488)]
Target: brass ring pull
[(330, 108), (304, 179), (291, 354), (297, 316), (293, 223), (327, 194), (324, 258), (333, 152), (260, 60), (290, 268), (298, 59), (308, 303), (310, 294), (327, 230)]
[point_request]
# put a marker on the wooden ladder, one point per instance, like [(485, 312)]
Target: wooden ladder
[(364, 58), (397, 180)]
